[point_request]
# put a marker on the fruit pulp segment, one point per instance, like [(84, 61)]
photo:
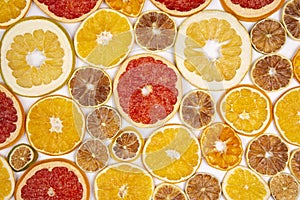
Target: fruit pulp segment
[(252, 4), (182, 5), (131, 8), (5, 181), (11, 9)]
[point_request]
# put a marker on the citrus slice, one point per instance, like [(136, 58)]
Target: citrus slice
[(221, 146), (68, 11), (268, 36), (251, 10), (294, 163), (90, 86), (55, 178), (103, 122), (37, 56), (92, 155), (197, 109), (104, 38), (284, 186), (127, 145), (55, 125), (290, 19), (7, 180), (213, 50), (155, 31), (147, 90), (12, 118), (267, 154), (246, 109), (296, 65), (21, 157), (242, 183), (272, 72), (131, 8), (182, 9), (167, 191), (172, 153), (123, 181), (203, 186), (287, 115)]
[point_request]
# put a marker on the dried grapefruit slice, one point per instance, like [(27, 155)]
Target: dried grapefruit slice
[(147, 90), (213, 50), (123, 181), (37, 56), (284, 186), (7, 180), (172, 153), (290, 18), (294, 163), (56, 178), (167, 191), (131, 8), (296, 65)]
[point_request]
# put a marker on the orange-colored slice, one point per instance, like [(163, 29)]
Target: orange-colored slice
[(296, 64), (131, 8), (7, 180)]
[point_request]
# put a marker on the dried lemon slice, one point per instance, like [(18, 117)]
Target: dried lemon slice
[(294, 163), (169, 191)]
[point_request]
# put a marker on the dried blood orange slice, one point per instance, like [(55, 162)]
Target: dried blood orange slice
[(90, 86), (131, 8), (296, 64), (147, 90), (155, 31), (272, 72), (294, 163), (290, 18), (167, 191), (56, 178), (7, 180), (68, 10)]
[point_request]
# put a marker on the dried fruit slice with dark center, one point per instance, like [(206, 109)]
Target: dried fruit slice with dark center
[(7, 180), (294, 163), (272, 72), (296, 64), (131, 8), (291, 18), (167, 191)]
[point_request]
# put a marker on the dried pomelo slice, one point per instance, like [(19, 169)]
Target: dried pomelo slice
[(55, 125), (213, 50), (90, 86), (103, 122), (172, 153), (7, 180), (147, 90), (68, 11), (104, 38), (246, 109), (291, 18), (12, 118), (167, 191), (131, 8), (221, 146), (203, 186), (155, 31), (37, 56), (296, 65), (272, 72), (197, 109), (56, 178), (284, 186), (294, 163), (123, 181)]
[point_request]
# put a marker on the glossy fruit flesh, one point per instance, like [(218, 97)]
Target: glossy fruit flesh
[(182, 5)]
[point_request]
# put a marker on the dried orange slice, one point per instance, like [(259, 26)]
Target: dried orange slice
[(221, 146), (103, 122), (267, 154), (246, 109), (172, 153), (213, 50), (296, 64), (155, 31), (294, 163), (272, 72), (287, 115), (197, 109), (242, 183), (290, 18), (7, 180), (131, 8), (167, 191), (55, 125), (127, 145), (123, 181), (92, 155), (90, 86)]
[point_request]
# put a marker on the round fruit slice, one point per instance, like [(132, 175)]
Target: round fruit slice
[(147, 90), (123, 181), (294, 163), (267, 154), (246, 109), (7, 180), (221, 146), (155, 31), (12, 118), (296, 65), (55, 125), (21, 157), (90, 86), (197, 109), (268, 36), (272, 72), (68, 10), (166, 191), (290, 18), (127, 145), (172, 153), (56, 178), (92, 155), (242, 183), (284, 186), (287, 115), (213, 50), (103, 122), (131, 8), (104, 39), (251, 10)]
